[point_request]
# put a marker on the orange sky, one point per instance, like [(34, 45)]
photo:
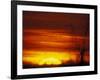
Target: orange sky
[(46, 33)]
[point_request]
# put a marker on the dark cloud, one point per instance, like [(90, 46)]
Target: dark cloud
[(74, 24)]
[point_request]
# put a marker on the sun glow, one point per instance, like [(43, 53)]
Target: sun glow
[(50, 61), (46, 58)]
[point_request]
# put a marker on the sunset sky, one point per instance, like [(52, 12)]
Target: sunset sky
[(53, 39)]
